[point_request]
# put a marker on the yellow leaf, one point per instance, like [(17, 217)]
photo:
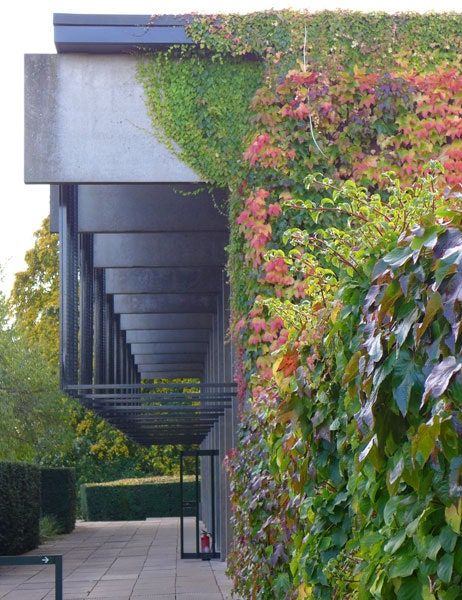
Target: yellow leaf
[(453, 515), (304, 592)]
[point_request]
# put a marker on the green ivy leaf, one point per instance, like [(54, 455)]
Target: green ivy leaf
[(424, 442), (390, 509), (410, 589), (434, 304), (433, 547), (351, 370), (397, 257), (453, 516), (445, 566), (448, 539), (395, 542), (453, 593), (402, 393), (404, 327), (404, 566), (427, 594)]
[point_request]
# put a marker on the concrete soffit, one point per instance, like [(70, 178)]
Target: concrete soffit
[(86, 122)]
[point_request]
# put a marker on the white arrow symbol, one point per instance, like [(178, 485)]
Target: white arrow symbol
[(46, 560)]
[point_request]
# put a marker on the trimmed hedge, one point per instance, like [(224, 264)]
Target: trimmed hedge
[(59, 496), (134, 499), (19, 507)]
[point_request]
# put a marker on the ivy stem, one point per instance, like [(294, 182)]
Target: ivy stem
[(324, 244)]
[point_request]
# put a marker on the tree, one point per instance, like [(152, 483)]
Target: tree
[(98, 451), (35, 296), (34, 416)]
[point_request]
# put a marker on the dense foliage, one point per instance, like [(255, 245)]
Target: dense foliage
[(59, 496), (33, 414), (19, 507), (346, 481), (135, 499)]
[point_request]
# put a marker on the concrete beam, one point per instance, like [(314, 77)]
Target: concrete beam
[(86, 122), (160, 249)]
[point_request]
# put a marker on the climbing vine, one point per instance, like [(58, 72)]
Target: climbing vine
[(344, 264)]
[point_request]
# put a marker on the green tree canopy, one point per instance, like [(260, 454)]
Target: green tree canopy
[(32, 399), (34, 416), (35, 295)]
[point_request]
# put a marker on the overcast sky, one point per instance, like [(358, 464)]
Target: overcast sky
[(27, 28)]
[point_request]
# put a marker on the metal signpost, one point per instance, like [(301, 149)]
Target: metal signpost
[(49, 559)]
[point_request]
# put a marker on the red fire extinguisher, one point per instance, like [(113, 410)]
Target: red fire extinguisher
[(206, 544)]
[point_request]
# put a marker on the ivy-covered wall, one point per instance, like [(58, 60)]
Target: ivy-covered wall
[(345, 290)]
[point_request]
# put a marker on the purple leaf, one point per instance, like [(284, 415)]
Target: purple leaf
[(277, 554), (440, 376)]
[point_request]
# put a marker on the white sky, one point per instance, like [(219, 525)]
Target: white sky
[(27, 28)]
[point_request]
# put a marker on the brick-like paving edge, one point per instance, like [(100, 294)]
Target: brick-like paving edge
[(122, 560)]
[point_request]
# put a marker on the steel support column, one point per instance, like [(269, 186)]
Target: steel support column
[(109, 336), (68, 259), (99, 318), (86, 308)]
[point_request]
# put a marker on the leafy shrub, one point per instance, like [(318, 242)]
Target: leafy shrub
[(59, 496), (19, 507), (407, 375), (134, 499), (49, 528), (348, 484)]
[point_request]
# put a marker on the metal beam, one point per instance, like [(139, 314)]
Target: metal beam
[(173, 409), (167, 420), (169, 359), (165, 279), (168, 335), (164, 303), (171, 374), (170, 348), (110, 34), (155, 386), (186, 249), (156, 207), (149, 365), (166, 321)]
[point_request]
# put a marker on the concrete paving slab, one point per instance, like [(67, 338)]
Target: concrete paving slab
[(132, 560)]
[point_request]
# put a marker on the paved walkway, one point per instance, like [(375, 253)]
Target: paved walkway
[(136, 560)]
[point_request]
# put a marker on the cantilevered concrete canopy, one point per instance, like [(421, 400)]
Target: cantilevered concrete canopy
[(144, 292)]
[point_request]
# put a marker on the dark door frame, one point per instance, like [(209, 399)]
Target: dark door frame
[(195, 504)]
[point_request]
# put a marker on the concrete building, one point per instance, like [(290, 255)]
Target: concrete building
[(144, 293)]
